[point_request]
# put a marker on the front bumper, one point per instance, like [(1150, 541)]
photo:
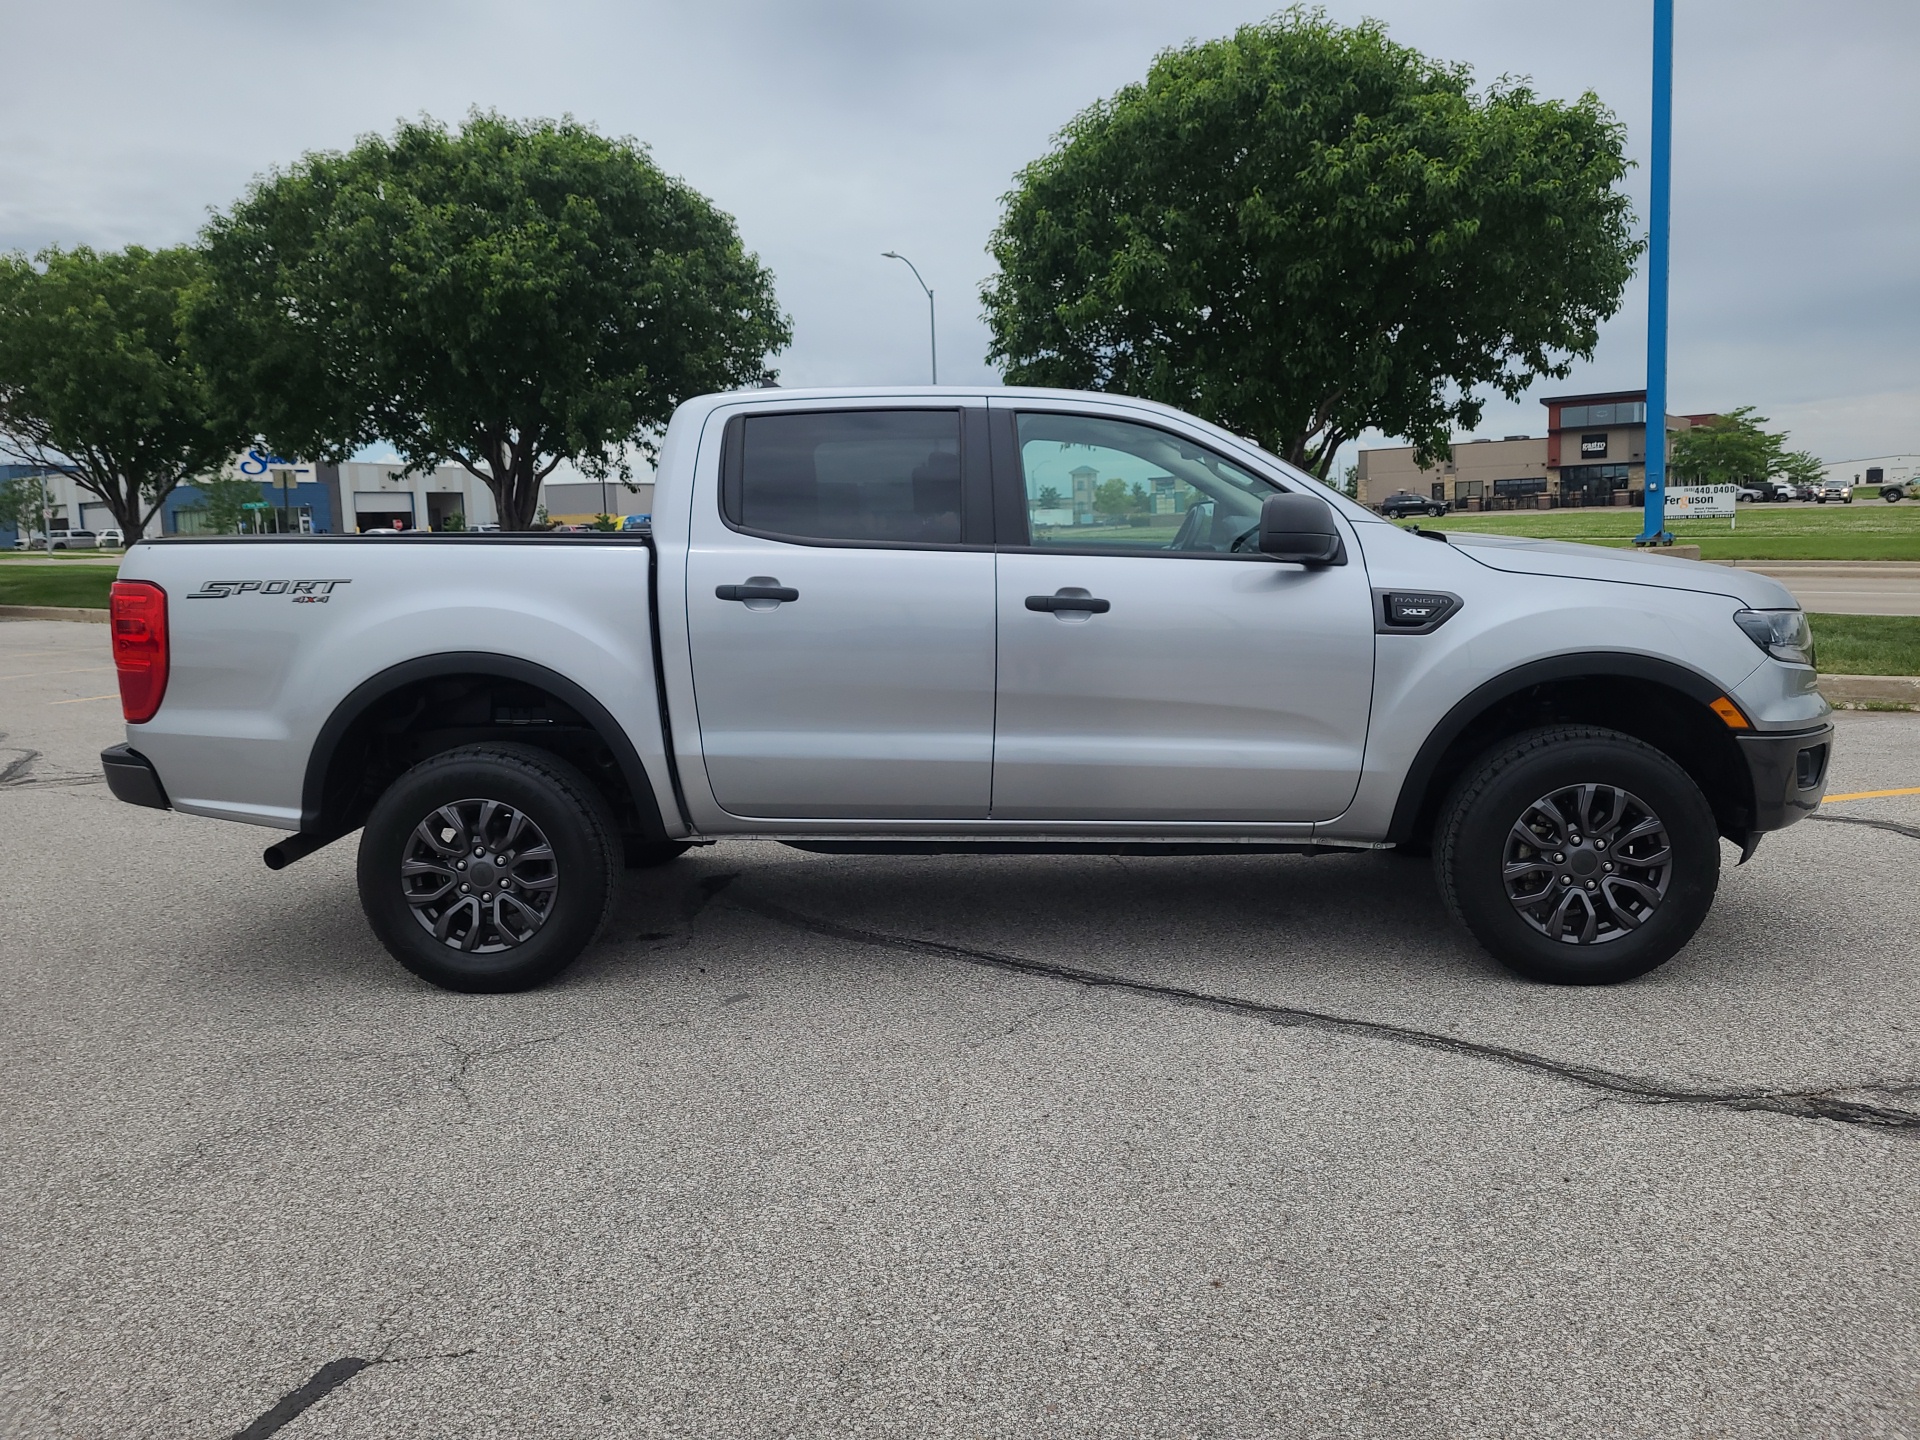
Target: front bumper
[(1789, 774), (132, 778)]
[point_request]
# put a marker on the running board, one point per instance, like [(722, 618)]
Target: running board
[(1082, 847)]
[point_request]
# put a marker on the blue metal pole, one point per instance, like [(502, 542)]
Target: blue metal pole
[(1653, 529)]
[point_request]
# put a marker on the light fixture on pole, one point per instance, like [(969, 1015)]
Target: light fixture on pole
[(933, 345), (1653, 529)]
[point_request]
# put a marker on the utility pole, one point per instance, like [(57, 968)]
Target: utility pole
[(933, 344), (282, 479), (1653, 530)]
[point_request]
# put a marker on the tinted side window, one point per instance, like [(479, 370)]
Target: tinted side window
[(852, 476)]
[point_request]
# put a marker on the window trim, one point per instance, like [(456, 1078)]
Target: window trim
[(976, 500), (1012, 531)]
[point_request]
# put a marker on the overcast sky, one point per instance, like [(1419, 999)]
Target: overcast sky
[(834, 131)]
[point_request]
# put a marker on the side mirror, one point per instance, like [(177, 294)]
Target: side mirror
[(1300, 528)]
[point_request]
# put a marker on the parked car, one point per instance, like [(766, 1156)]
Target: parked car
[(636, 522), (1840, 490), (1403, 503), (1896, 490), (1749, 494), (112, 539), (843, 633), (74, 540)]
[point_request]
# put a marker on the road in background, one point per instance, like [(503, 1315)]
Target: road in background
[(1847, 587), (1064, 1146)]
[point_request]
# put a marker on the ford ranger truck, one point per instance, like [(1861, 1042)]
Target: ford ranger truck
[(972, 621)]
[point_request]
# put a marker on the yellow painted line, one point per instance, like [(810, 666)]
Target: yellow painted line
[(1871, 795), (82, 699)]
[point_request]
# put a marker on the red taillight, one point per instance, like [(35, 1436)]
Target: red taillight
[(140, 647)]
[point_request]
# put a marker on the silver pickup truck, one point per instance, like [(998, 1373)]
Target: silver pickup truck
[(972, 621)]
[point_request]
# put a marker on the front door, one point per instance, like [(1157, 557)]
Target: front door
[(841, 613), (1153, 666)]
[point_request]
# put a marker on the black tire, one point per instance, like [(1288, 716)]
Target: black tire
[(483, 945), (1436, 511), (1641, 915)]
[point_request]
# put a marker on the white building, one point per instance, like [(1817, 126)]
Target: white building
[(1881, 470)]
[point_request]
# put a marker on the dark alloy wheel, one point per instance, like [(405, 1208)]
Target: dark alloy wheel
[(481, 877), (1577, 855), (1587, 864), (489, 867)]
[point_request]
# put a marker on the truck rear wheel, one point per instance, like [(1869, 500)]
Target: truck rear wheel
[(488, 868), (1578, 856)]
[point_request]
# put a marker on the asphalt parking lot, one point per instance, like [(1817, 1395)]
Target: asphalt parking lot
[(844, 1146)]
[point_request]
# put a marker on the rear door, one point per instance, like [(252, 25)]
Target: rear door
[(840, 609), (1153, 666)]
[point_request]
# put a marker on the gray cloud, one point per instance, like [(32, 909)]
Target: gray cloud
[(834, 131)]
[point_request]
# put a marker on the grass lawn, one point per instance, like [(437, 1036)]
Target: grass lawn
[(1867, 644), (1861, 531), (82, 586)]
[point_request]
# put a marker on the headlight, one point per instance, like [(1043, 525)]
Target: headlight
[(1783, 634)]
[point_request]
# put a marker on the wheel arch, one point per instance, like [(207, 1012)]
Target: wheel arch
[(346, 745), (1662, 702)]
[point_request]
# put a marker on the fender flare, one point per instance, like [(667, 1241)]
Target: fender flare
[(364, 696), (1577, 666)]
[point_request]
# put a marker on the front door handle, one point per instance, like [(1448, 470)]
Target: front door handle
[(760, 587), (1064, 600)]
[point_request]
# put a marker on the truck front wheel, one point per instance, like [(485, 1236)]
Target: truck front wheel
[(1578, 856), (488, 868)]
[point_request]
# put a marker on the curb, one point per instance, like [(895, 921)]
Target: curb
[(54, 612), (1871, 689)]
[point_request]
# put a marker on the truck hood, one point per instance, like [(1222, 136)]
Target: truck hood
[(1626, 567)]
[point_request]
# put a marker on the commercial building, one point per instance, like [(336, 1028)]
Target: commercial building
[(1880, 470), (1594, 453), (1479, 472)]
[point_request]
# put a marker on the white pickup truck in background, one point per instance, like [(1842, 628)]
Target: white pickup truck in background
[(978, 621)]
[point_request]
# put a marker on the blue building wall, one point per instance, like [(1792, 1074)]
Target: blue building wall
[(313, 494), (8, 533)]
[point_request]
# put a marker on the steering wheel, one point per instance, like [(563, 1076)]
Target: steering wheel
[(1244, 538)]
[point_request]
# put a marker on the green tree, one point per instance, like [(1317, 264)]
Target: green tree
[(1801, 467), (1111, 497), (1727, 450), (1304, 230), (96, 382), (23, 502), (1049, 498), (227, 499), (506, 296)]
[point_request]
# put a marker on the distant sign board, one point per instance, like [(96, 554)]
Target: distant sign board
[(1701, 502), (1593, 447)]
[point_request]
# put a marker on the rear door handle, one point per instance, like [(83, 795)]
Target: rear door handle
[(755, 590), (1052, 604)]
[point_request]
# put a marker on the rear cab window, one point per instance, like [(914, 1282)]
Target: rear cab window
[(880, 477)]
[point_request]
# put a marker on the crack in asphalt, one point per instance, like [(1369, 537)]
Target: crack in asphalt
[(464, 1059), (1825, 1104), (15, 772), (1907, 830), (322, 1383)]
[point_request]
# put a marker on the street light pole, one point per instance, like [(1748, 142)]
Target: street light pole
[(933, 344), (1653, 529)]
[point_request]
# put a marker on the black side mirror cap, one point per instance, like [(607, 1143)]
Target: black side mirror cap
[(1300, 530)]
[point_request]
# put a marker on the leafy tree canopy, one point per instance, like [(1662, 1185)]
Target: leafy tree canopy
[(506, 296), (1727, 450), (95, 379), (1305, 230)]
